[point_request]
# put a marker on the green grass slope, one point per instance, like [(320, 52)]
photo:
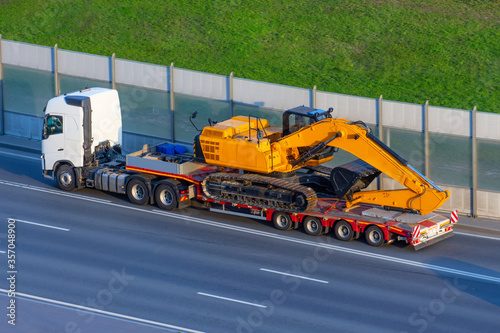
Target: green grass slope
[(445, 51)]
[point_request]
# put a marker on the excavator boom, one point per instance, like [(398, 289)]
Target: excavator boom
[(421, 195)]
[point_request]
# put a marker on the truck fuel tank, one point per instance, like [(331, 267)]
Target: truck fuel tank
[(110, 180)]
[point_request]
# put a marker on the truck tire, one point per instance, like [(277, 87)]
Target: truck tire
[(374, 236), (137, 192), (166, 197), (312, 226), (282, 221), (65, 176), (343, 230)]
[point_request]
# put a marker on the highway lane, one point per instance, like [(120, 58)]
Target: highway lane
[(184, 270)]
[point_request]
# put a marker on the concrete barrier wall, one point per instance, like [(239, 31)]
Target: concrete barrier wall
[(403, 115), (449, 121), (268, 95), (488, 126), (27, 55), (142, 75), (349, 107), (84, 65), (488, 204), (22, 125), (201, 84)]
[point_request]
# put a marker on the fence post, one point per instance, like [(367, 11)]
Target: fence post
[(231, 103), (380, 180), (314, 97), (427, 167), (113, 68), (172, 102), (379, 119), (1, 89), (57, 85), (474, 163)]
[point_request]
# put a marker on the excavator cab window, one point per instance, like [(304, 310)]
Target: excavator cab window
[(296, 122), (301, 116)]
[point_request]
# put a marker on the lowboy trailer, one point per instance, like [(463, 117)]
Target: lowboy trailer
[(81, 148)]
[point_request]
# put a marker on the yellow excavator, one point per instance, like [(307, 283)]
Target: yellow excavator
[(280, 168)]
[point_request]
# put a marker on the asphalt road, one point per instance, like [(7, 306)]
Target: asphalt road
[(90, 261)]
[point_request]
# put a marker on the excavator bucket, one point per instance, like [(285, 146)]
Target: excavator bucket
[(352, 177)]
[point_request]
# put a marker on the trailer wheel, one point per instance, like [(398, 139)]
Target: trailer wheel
[(343, 231), (65, 176), (282, 221), (374, 236), (165, 197), (137, 192), (312, 226)]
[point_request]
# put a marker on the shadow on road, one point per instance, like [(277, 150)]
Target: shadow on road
[(476, 281)]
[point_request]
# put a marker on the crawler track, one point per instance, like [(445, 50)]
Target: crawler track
[(259, 191)]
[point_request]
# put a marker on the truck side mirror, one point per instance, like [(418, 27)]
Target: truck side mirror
[(45, 135), (194, 114)]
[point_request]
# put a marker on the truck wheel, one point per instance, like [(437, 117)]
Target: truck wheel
[(374, 236), (137, 192), (343, 231), (165, 197), (65, 176), (312, 226), (282, 221)]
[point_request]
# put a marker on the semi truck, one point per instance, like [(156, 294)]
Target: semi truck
[(244, 166)]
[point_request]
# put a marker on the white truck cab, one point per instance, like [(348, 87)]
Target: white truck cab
[(90, 116)]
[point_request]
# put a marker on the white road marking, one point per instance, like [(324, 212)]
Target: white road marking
[(232, 300), (42, 225), (21, 156), (337, 248), (52, 191), (473, 235), (100, 312), (293, 275)]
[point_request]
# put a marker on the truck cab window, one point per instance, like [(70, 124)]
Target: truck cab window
[(52, 125)]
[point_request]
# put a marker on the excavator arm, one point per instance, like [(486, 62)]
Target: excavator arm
[(420, 194)]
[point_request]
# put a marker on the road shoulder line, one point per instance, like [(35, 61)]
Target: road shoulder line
[(99, 312)]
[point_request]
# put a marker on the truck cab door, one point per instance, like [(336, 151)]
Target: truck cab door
[(53, 143)]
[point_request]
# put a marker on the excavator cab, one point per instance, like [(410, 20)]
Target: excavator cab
[(301, 116)]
